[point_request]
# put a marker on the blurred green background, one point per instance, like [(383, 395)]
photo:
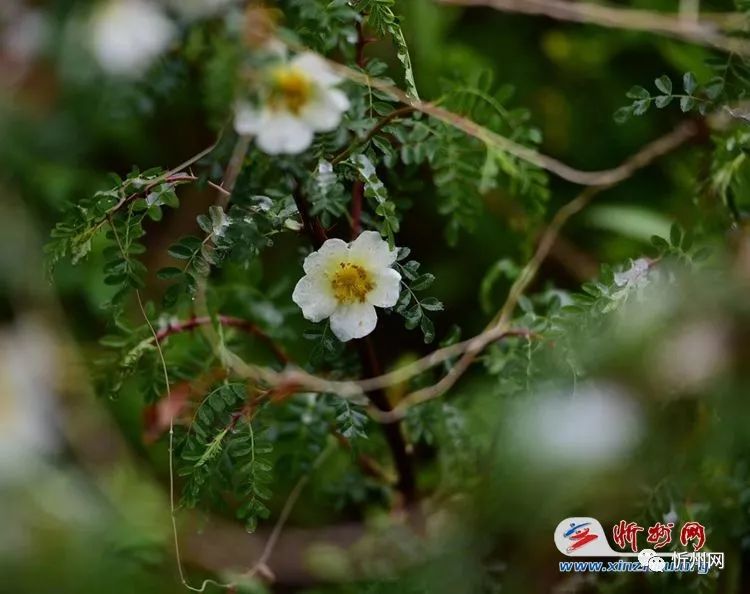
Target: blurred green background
[(95, 515)]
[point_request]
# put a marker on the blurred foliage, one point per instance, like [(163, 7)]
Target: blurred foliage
[(623, 398)]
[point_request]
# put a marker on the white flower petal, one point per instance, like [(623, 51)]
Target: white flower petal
[(323, 113), (314, 298), (283, 133), (247, 119), (332, 249), (387, 288), (340, 99), (372, 250), (353, 321), (316, 68)]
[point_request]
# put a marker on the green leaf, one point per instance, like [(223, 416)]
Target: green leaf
[(432, 304), (663, 100), (664, 84), (412, 316), (375, 189), (423, 282), (428, 329), (638, 92), (169, 273), (688, 83), (402, 53), (181, 251), (687, 103), (623, 114), (410, 269), (641, 107), (660, 242)]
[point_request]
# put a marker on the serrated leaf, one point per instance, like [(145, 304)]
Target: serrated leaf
[(687, 103), (664, 84), (422, 282), (638, 92), (663, 100), (641, 107), (432, 304), (623, 114)]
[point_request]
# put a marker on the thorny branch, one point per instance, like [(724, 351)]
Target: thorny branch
[(498, 329), (664, 145), (469, 349), (604, 177)]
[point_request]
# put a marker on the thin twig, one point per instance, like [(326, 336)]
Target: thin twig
[(648, 154), (402, 459), (261, 565), (583, 178), (498, 328), (675, 26), (382, 123), (230, 321), (233, 170), (172, 506)]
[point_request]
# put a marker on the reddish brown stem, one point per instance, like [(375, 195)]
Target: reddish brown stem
[(396, 442), (362, 42), (312, 225), (230, 321), (401, 457)]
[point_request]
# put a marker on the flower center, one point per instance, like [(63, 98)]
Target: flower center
[(351, 283), (291, 89)]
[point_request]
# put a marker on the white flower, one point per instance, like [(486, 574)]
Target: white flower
[(128, 35), (299, 100), (346, 282)]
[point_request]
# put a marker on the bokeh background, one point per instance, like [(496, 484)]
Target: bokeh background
[(84, 497)]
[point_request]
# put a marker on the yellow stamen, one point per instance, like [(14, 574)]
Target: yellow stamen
[(351, 283), (291, 89)]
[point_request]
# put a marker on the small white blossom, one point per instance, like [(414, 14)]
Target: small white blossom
[(634, 277), (128, 35), (299, 100), (346, 282), (671, 516)]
